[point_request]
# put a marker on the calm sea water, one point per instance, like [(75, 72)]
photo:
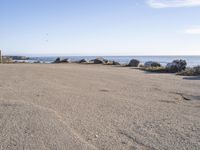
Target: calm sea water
[(191, 60)]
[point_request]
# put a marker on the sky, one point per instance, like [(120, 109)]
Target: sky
[(100, 27)]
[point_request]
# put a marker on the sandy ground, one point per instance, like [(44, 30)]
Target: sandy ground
[(71, 106)]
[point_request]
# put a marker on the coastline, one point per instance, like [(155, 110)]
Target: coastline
[(97, 107), (191, 60)]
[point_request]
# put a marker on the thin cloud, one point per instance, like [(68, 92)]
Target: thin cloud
[(173, 3), (193, 30)]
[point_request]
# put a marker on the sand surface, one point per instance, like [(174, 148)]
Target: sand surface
[(71, 106)]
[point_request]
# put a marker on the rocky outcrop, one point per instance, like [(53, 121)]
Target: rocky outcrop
[(176, 66), (134, 63), (152, 64)]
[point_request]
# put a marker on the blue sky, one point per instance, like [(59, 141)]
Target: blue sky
[(100, 27)]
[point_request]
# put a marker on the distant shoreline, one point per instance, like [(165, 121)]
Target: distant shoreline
[(191, 60)]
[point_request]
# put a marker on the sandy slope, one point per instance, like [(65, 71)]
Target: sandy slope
[(70, 106)]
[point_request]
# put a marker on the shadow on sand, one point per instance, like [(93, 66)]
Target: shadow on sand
[(192, 78)]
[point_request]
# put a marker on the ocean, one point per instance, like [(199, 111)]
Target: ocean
[(191, 60)]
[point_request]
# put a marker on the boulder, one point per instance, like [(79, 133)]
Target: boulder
[(116, 63), (37, 62), (176, 66), (197, 69), (83, 61), (67, 60), (58, 60), (134, 63), (152, 64), (99, 61), (112, 63)]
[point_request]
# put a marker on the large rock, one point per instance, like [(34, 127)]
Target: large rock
[(116, 63), (176, 66), (112, 63), (100, 60), (134, 63), (83, 61), (59, 60), (152, 64), (66, 60)]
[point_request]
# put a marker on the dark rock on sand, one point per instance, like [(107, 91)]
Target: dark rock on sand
[(18, 57), (83, 61), (152, 64), (37, 62), (112, 63), (116, 63), (134, 63), (59, 60), (176, 66), (67, 60), (100, 60)]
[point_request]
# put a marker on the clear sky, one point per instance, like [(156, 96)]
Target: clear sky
[(100, 27)]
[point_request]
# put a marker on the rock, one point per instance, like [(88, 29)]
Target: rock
[(57, 60), (100, 60), (176, 66), (112, 63), (109, 63), (152, 64), (18, 57), (105, 61), (134, 63), (141, 65), (197, 69), (116, 63), (37, 62), (83, 61), (67, 60)]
